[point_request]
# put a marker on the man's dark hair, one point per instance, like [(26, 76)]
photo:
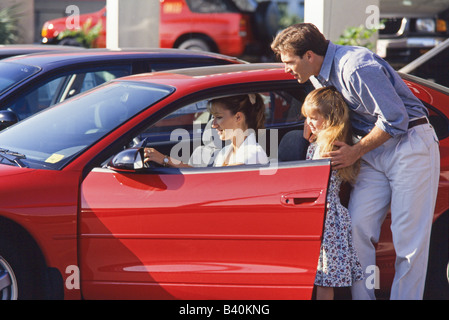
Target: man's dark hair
[(300, 38)]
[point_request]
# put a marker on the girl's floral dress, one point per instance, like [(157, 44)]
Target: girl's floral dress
[(338, 264)]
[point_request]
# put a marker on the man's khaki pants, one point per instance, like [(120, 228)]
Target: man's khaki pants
[(401, 175)]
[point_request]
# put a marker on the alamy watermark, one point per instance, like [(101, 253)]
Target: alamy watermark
[(207, 144), (72, 22), (73, 279), (373, 19)]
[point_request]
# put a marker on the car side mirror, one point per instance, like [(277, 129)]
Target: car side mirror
[(7, 118), (128, 160)]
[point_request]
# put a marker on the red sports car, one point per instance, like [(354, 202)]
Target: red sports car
[(81, 216)]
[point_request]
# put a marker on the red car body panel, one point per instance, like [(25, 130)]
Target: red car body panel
[(230, 32), (46, 207), (192, 236)]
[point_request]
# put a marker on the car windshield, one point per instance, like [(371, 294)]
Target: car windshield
[(13, 73), (51, 138)]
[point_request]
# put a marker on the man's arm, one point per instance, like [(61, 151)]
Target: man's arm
[(347, 155)]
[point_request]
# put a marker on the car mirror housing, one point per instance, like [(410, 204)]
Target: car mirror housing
[(128, 160), (7, 118)]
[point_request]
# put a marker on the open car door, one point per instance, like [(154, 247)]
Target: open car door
[(242, 232)]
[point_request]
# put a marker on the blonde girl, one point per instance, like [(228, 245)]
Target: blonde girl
[(328, 120), (328, 104)]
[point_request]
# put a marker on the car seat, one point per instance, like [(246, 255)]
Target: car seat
[(293, 146)]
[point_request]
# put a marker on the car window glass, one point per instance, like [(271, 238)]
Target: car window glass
[(13, 73), (57, 90), (435, 69), (281, 108), (93, 79), (36, 100), (183, 118), (182, 131), (81, 82), (211, 6), (52, 138)]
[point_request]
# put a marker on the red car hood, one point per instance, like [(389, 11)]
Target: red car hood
[(10, 170)]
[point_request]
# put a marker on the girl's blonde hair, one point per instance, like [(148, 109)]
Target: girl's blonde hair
[(329, 103)]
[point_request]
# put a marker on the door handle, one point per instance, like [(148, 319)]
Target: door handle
[(302, 198)]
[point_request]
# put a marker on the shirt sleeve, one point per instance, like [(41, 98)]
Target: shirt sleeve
[(373, 87)]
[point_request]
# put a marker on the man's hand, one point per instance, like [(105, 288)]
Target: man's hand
[(347, 155)]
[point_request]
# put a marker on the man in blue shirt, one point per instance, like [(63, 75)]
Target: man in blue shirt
[(397, 145)]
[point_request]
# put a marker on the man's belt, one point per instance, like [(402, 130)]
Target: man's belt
[(417, 122), (411, 124)]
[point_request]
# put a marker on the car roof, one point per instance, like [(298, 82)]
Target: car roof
[(213, 75), (9, 50), (60, 58)]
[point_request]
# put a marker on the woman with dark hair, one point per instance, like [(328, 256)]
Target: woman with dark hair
[(237, 119)]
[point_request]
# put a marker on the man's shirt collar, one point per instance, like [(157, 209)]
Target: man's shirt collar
[(326, 67)]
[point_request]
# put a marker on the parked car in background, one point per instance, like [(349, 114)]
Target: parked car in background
[(411, 28), (31, 83), (11, 50), (218, 26), (432, 65), (80, 207)]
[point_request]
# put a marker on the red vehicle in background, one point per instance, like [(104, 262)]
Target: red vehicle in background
[(193, 24)]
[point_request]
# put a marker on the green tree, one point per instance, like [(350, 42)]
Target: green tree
[(287, 19), (9, 25), (357, 36), (85, 36)]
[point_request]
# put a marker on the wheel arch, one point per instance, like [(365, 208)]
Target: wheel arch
[(12, 233), (187, 36)]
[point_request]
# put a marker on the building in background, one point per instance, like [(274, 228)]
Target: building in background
[(411, 27)]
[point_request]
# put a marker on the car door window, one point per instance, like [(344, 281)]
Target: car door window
[(188, 128), (36, 100), (93, 79), (58, 89), (211, 6), (435, 68), (83, 81)]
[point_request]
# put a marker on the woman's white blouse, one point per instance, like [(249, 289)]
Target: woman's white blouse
[(249, 152)]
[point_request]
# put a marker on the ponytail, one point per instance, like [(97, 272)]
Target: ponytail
[(255, 118)]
